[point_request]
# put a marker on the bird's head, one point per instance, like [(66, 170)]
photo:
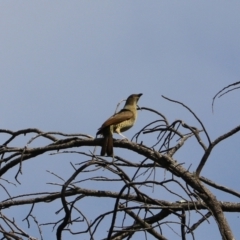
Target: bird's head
[(132, 100)]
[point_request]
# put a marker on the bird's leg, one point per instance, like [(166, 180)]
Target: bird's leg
[(123, 136), (118, 132)]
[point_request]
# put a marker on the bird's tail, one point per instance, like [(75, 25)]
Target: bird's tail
[(107, 146)]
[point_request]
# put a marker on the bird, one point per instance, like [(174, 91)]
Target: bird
[(119, 122)]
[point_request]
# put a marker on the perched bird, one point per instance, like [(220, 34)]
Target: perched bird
[(119, 122)]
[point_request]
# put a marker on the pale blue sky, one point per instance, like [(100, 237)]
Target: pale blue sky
[(64, 65)]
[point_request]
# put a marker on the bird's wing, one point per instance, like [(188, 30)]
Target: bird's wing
[(117, 118)]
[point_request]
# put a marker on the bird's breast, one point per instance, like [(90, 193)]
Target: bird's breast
[(125, 125)]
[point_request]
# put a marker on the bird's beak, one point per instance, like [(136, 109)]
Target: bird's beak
[(139, 95)]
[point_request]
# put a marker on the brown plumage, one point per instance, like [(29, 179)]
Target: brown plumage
[(119, 122)]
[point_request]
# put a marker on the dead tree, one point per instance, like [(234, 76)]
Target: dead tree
[(143, 192)]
